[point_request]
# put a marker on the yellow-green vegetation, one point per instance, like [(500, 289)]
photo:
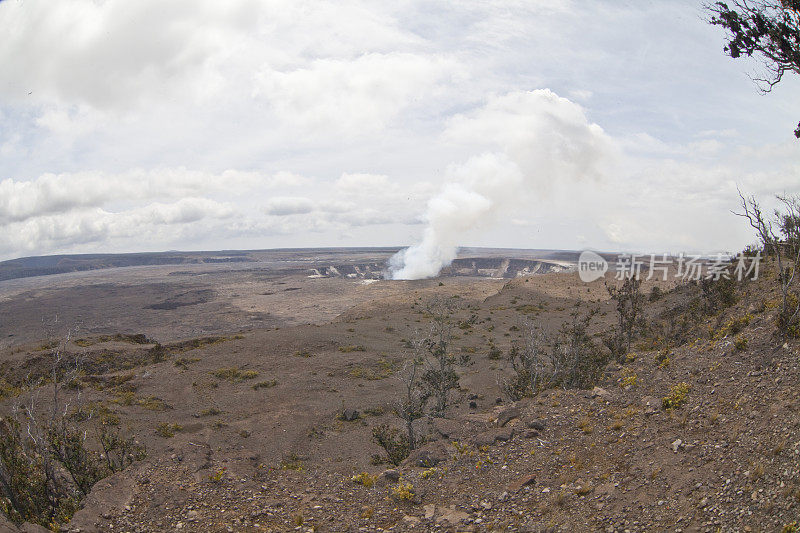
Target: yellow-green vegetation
[(677, 396), (168, 430), (463, 450), (528, 309), (194, 344), (791, 528), (138, 338), (585, 424), (303, 353), (211, 411), (234, 375), (740, 343), (107, 382), (734, 326), (48, 346), (364, 478), (184, 362), (381, 370), (352, 348), (430, 472), (217, 476), (403, 491), (293, 462), (265, 384), (628, 378), (129, 398), (8, 390), (662, 358)]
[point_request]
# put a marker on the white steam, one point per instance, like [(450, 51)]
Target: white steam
[(536, 139)]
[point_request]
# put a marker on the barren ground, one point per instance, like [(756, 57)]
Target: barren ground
[(269, 452)]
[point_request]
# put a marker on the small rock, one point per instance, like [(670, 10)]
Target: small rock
[(429, 455), (430, 510), (349, 415), (411, 520), (447, 428), (507, 415), (524, 481), (391, 474), (599, 392), (676, 445), (489, 438), (536, 424), (651, 405), (451, 516)]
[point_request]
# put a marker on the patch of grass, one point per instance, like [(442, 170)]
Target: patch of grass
[(629, 378), (153, 403), (8, 390), (303, 353), (184, 362), (585, 424), (234, 375), (677, 396), (211, 411), (662, 359), (403, 492), (365, 479), (167, 430), (428, 472), (293, 462), (202, 342), (734, 326), (138, 338), (265, 384), (128, 398), (382, 369), (740, 343), (217, 476), (352, 348)]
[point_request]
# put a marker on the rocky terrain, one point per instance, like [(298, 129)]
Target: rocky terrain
[(269, 428)]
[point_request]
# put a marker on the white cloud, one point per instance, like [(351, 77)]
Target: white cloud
[(313, 122), (282, 206)]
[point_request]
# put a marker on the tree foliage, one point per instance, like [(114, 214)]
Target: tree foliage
[(769, 29)]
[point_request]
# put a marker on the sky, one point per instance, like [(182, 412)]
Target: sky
[(250, 124)]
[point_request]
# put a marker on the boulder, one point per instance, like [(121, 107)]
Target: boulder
[(349, 415), (536, 424), (507, 415), (427, 456), (489, 438), (524, 481)]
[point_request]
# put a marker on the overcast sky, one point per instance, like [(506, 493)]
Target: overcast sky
[(203, 124)]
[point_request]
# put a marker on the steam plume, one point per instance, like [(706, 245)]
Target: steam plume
[(538, 137)]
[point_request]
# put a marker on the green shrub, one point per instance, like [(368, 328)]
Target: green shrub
[(394, 443), (677, 396), (167, 430), (234, 375)]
